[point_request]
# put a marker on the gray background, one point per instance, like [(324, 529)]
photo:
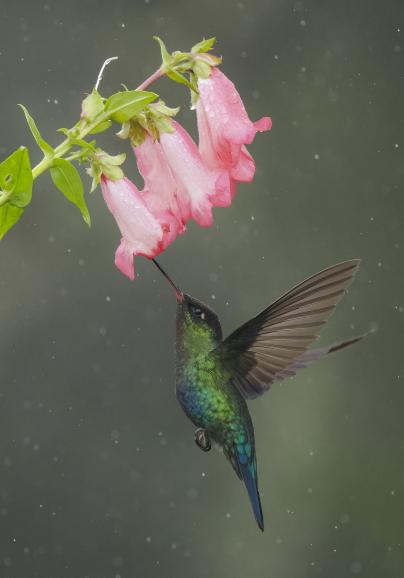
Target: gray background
[(99, 475)]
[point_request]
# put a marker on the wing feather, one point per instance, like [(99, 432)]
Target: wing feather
[(273, 345)]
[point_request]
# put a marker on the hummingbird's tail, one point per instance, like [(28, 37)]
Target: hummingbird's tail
[(249, 475), (311, 355)]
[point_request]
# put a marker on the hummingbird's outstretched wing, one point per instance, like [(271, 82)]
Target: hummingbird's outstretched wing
[(273, 345)]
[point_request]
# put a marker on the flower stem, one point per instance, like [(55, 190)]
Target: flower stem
[(67, 144), (47, 160), (152, 78)]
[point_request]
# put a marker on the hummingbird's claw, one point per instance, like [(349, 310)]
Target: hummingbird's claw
[(202, 439)]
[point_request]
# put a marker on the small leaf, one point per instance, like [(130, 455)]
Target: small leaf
[(117, 160), (43, 145), (165, 55), (16, 178), (106, 159), (179, 57), (95, 172), (211, 59), (137, 133), (114, 173), (22, 193), (92, 106), (163, 124), (177, 77), (83, 144), (9, 215), (160, 108), (123, 106), (67, 179), (204, 45), (104, 125), (202, 69), (125, 131)]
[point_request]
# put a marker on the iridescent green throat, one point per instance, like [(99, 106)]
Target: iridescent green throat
[(197, 338)]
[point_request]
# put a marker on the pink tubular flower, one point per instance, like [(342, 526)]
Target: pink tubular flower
[(224, 127), (177, 179), (159, 191), (142, 231), (177, 187)]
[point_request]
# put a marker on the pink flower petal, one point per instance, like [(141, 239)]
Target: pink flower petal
[(124, 259), (171, 226), (142, 233), (196, 184), (244, 169), (225, 190), (263, 124), (224, 127), (160, 190), (158, 178)]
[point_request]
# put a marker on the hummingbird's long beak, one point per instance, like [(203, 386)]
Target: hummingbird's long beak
[(179, 294)]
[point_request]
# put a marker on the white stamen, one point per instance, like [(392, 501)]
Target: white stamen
[(103, 67)]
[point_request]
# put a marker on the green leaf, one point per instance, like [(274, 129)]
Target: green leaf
[(9, 215), (112, 172), (43, 145), (105, 159), (83, 144), (160, 108), (179, 57), (165, 55), (16, 178), (92, 106), (177, 77), (137, 133), (125, 130), (67, 179), (202, 69), (73, 131), (204, 45), (123, 106), (163, 124), (95, 172), (104, 125), (211, 59)]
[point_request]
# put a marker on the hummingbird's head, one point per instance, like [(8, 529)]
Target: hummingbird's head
[(197, 324), (193, 316), (199, 314)]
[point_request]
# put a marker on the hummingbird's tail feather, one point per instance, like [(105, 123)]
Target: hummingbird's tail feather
[(249, 475), (342, 344), (311, 355)]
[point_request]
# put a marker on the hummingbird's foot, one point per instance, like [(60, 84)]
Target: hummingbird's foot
[(202, 439)]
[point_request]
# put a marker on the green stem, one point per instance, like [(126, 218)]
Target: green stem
[(66, 145), (47, 160)]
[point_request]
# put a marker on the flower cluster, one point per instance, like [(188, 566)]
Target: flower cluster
[(182, 181)]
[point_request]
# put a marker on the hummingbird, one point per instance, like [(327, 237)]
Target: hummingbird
[(215, 377)]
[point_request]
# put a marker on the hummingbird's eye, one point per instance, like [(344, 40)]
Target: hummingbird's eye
[(199, 313)]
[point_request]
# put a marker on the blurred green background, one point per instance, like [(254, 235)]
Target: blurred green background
[(99, 474)]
